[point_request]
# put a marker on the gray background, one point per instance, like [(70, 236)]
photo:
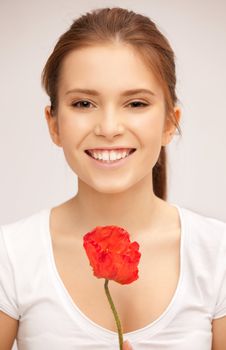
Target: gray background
[(34, 173)]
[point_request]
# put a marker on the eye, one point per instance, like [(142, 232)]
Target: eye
[(138, 104), (85, 104)]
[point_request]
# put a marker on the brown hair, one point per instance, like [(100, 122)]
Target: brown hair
[(108, 25)]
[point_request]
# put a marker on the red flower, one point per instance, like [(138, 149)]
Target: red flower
[(111, 254), (113, 257)]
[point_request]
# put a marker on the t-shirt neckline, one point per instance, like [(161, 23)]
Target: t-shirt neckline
[(96, 329)]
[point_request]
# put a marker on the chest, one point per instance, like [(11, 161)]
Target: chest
[(139, 303)]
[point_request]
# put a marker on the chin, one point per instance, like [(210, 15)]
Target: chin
[(109, 187), (114, 189)]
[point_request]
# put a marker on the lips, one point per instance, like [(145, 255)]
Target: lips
[(110, 162)]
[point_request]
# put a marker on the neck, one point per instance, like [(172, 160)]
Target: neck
[(136, 209)]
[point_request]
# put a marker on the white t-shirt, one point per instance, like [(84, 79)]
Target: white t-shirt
[(32, 291)]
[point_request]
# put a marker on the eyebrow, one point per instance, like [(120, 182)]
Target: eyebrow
[(124, 93)]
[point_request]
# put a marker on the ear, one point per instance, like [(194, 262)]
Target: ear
[(170, 128), (53, 126)]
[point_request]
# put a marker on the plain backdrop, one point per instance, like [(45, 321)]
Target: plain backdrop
[(34, 174)]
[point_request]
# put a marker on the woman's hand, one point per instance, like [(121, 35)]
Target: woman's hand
[(127, 345)]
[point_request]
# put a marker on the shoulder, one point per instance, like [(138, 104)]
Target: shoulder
[(22, 225), (21, 233), (205, 257), (200, 226), (204, 238)]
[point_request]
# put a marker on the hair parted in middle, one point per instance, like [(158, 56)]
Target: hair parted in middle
[(106, 26)]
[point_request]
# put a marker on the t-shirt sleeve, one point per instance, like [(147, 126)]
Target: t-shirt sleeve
[(8, 300), (220, 307)]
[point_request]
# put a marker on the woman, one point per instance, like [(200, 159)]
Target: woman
[(113, 110)]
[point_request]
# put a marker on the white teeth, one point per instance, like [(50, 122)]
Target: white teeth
[(109, 156), (105, 155)]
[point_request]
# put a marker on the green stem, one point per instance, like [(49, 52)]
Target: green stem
[(117, 320)]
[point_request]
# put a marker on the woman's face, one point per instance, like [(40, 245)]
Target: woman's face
[(111, 117)]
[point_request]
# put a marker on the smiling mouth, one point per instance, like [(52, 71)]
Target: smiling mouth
[(132, 150)]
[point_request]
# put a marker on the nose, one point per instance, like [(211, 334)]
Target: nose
[(109, 125)]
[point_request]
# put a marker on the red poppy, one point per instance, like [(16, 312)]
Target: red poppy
[(111, 254)]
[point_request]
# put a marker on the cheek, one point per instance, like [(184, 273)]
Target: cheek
[(73, 129), (149, 131), (149, 127)]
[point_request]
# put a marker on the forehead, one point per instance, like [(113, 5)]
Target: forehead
[(110, 68)]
